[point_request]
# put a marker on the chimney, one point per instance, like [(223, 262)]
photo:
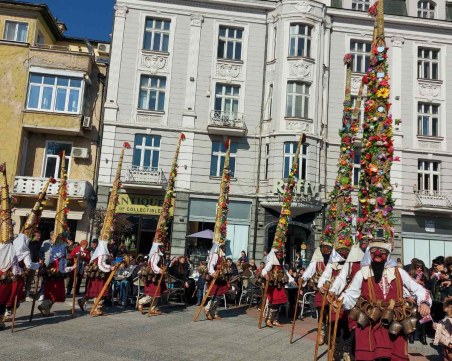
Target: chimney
[(61, 26)]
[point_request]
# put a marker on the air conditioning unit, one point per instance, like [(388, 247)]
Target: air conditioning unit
[(80, 152), (103, 48), (87, 123)]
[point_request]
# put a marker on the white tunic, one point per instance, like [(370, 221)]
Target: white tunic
[(327, 275), (340, 282), (154, 263)]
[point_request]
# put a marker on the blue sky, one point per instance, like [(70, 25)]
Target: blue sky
[(90, 19)]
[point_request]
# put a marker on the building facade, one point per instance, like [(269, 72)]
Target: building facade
[(52, 100), (262, 72)]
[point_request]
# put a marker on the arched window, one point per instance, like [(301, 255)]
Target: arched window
[(426, 9)]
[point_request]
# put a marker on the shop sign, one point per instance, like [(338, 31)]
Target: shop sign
[(139, 204), (302, 188)]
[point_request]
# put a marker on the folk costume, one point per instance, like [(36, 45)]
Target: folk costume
[(278, 277), (9, 266), (150, 278)]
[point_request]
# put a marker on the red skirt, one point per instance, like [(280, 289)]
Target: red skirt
[(374, 343), (94, 286), (276, 296), (17, 288), (150, 289), (55, 290), (318, 298), (5, 292), (220, 288)]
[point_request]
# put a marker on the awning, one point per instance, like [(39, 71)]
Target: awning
[(296, 208)]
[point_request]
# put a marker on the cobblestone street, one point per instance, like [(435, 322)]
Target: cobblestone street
[(127, 335)]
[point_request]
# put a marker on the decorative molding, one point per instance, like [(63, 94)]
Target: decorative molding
[(398, 41), (196, 20), (271, 68), (429, 145), (149, 119), (429, 90), (299, 125), (301, 69), (266, 126), (228, 71), (356, 82), (121, 11), (303, 6), (154, 63)]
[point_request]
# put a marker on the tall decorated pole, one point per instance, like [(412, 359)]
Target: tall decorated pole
[(6, 222), (33, 219), (61, 230), (376, 221), (161, 234)]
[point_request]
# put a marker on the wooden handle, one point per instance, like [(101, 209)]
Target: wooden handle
[(264, 300), (204, 299), (34, 297), (319, 327), (300, 282), (155, 293), (101, 294), (74, 286), (336, 321), (14, 313)]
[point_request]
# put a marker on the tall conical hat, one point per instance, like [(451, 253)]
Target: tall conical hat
[(161, 234), (6, 222), (221, 219), (283, 222), (34, 217), (61, 230), (108, 226)]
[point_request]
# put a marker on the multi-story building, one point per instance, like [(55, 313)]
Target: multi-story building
[(261, 72), (51, 100)]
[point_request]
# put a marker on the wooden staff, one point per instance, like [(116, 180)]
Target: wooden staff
[(204, 299), (14, 314), (319, 327), (74, 285), (101, 294), (336, 321), (155, 293), (264, 300), (300, 282), (34, 296), (330, 313)]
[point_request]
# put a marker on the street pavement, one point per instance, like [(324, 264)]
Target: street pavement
[(172, 336)]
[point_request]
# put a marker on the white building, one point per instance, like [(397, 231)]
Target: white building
[(261, 72)]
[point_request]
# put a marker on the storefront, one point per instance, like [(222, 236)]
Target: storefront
[(202, 216), (139, 213), (426, 237)]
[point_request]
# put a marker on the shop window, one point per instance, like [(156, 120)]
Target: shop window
[(289, 154), (156, 34), (52, 160), (428, 176), (15, 31), (230, 43), (146, 152), (218, 156)]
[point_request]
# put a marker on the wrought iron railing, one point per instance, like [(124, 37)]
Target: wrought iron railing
[(220, 118), (145, 175), (432, 199)]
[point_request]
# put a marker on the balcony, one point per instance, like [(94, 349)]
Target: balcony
[(144, 176), (52, 122), (433, 201), (31, 186), (225, 123)]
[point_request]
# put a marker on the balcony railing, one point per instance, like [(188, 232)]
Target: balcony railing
[(219, 118), (428, 199), (33, 185), (145, 175)]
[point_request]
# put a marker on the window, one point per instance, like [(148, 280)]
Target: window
[(361, 109), (218, 156), (289, 154), (361, 55), (426, 9), (428, 176), (156, 34), (427, 63), (300, 40), (230, 43), (428, 119), (152, 93), (267, 159), (15, 31), (40, 40), (275, 34), (297, 99), (146, 152), (356, 167), (361, 5), (227, 97), (54, 93), (268, 103), (52, 161)]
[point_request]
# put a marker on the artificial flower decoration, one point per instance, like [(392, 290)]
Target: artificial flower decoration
[(126, 145)]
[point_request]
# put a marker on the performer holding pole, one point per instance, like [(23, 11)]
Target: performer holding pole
[(274, 271), (217, 285), (153, 275)]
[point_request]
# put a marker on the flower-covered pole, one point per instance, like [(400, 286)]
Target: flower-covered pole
[(221, 219), (375, 196), (283, 222), (6, 222), (33, 219), (61, 230), (339, 214), (108, 227), (161, 234)]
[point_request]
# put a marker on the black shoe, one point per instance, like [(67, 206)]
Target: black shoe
[(423, 339), (411, 338)]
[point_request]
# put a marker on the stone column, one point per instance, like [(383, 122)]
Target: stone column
[(189, 116), (111, 106)]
